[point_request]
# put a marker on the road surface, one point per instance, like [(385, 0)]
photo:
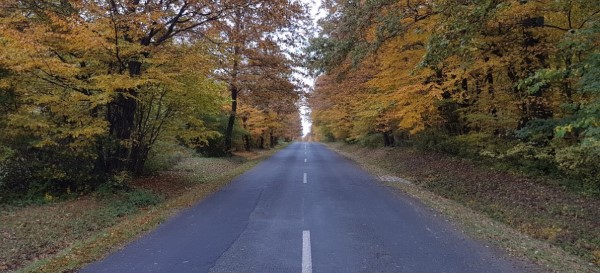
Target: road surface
[(306, 209)]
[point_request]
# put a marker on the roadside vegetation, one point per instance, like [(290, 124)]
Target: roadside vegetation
[(115, 114), (88, 89), (504, 81), (532, 205), (62, 235), (493, 104)]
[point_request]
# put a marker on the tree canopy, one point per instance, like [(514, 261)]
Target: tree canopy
[(88, 87), (510, 80)]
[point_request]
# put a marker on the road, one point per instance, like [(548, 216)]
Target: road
[(306, 209)]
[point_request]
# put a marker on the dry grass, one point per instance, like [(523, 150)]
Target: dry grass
[(553, 227), (63, 236), (36, 232)]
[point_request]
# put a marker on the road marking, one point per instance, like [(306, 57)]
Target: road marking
[(305, 160), (304, 179), (306, 252)]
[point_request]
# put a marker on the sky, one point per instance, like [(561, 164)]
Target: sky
[(316, 13)]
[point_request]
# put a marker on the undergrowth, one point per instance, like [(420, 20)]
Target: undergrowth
[(58, 234), (535, 205)]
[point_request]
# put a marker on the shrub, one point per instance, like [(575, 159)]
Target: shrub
[(164, 155), (433, 140), (371, 140), (49, 171), (582, 161)]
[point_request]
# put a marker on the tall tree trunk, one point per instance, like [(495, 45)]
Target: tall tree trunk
[(231, 122), (246, 135), (388, 139), (233, 89), (566, 84), (247, 143), (121, 119), (262, 142)]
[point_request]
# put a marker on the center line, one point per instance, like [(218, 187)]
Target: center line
[(304, 179), (306, 252), (305, 160)]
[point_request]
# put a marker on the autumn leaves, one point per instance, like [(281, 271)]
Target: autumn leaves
[(96, 83), (506, 79)]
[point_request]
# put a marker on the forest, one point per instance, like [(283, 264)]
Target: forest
[(88, 88), (117, 114), (509, 81)]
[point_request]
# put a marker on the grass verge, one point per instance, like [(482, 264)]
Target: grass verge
[(554, 228), (64, 236)]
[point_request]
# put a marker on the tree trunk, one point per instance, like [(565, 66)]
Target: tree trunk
[(233, 88), (121, 118), (246, 136), (138, 159), (231, 122), (566, 84), (388, 140), (247, 143), (262, 142)]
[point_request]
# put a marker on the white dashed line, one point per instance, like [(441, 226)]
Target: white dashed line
[(306, 252), (305, 160), (304, 179)]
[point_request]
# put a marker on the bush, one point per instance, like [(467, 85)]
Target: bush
[(531, 159), (582, 161), (115, 184), (164, 156), (433, 140), (371, 140), (50, 171)]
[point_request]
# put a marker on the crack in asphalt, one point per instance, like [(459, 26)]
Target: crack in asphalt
[(255, 206)]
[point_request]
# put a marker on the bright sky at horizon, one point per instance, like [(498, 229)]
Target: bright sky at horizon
[(315, 13)]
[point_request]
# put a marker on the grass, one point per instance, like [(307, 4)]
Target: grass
[(553, 227), (64, 236)]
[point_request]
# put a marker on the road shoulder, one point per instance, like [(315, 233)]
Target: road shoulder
[(115, 237), (524, 249)]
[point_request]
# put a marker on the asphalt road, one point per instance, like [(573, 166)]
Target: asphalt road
[(306, 209)]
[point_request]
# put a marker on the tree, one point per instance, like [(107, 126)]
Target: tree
[(98, 82), (248, 34), (504, 79)]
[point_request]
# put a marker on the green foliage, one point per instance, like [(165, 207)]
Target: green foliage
[(435, 140), (127, 203), (541, 80), (371, 140), (46, 172), (582, 161), (537, 132), (115, 184), (215, 146), (165, 155), (123, 199)]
